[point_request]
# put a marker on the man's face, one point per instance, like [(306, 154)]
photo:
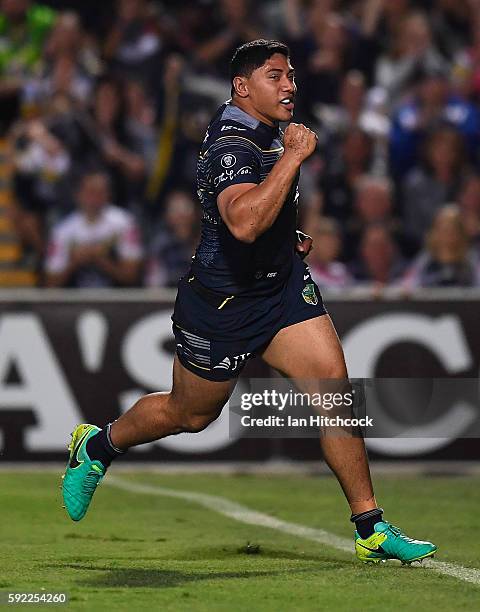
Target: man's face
[(271, 89), (469, 197), (373, 203), (14, 9), (433, 91), (130, 9), (180, 210), (93, 194), (377, 247)]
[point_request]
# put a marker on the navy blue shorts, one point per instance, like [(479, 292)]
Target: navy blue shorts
[(216, 335)]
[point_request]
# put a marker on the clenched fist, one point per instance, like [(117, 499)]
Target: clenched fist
[(299, 141)]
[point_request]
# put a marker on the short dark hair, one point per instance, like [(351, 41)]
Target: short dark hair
[(252, 55), (90, 172)]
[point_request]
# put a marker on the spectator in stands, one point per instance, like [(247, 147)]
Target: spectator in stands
[(182, 131), (140, 122), (195, 23), (345, 164), (412, 49), (24, 27), (42, 164), (379, 24), (96, 246), (379, 261), (67, 78), (125, 165), (297, 14), (339, 118), (452, 23), (174, 242), (469, 204), (136, 41), (432, 105), (326, 270), (466, 65), (357, 108), (447, 259), (239, 23), (131, 90), (70, 61), (372, 204), (73, 128), (436, 181), (321, 55), (182, 123)]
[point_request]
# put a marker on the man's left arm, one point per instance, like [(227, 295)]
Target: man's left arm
[(126, 270), (123, 272)]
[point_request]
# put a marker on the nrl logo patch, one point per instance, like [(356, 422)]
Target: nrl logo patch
[(309, 294)]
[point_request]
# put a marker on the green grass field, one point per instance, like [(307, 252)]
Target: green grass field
[(140, 551)]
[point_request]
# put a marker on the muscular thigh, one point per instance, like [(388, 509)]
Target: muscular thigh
[(307, 350), (196, 395), (310, 353)]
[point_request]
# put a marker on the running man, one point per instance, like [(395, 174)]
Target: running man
[(248, 293)]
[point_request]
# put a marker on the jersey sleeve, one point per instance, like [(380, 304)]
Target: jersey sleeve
[(130, 243), (57, 257), (233, 160)]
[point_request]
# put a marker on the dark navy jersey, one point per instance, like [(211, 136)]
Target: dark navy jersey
[(240, 149)]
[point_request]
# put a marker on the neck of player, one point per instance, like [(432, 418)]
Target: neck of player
[(247, 107)]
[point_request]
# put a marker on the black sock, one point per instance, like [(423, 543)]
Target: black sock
[(365, 521), (100, 447)]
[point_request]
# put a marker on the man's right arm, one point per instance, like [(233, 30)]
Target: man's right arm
[(248, 209)]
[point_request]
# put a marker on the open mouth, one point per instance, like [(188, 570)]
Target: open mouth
[(288, 103)]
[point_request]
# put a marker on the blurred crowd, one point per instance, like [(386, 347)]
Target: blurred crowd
[(105, 106)]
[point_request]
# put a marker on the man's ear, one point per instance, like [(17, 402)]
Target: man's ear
[(240, 86)]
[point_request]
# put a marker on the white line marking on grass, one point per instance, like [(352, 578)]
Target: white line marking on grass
[(259, 519)]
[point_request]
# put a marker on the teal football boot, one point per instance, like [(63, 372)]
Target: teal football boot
[(82, 475), (388, 542)]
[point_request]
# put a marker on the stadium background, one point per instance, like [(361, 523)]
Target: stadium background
[(215, 522), (391, 197)]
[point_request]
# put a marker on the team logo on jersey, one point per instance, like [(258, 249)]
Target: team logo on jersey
[(309, 294), (228, 160)]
